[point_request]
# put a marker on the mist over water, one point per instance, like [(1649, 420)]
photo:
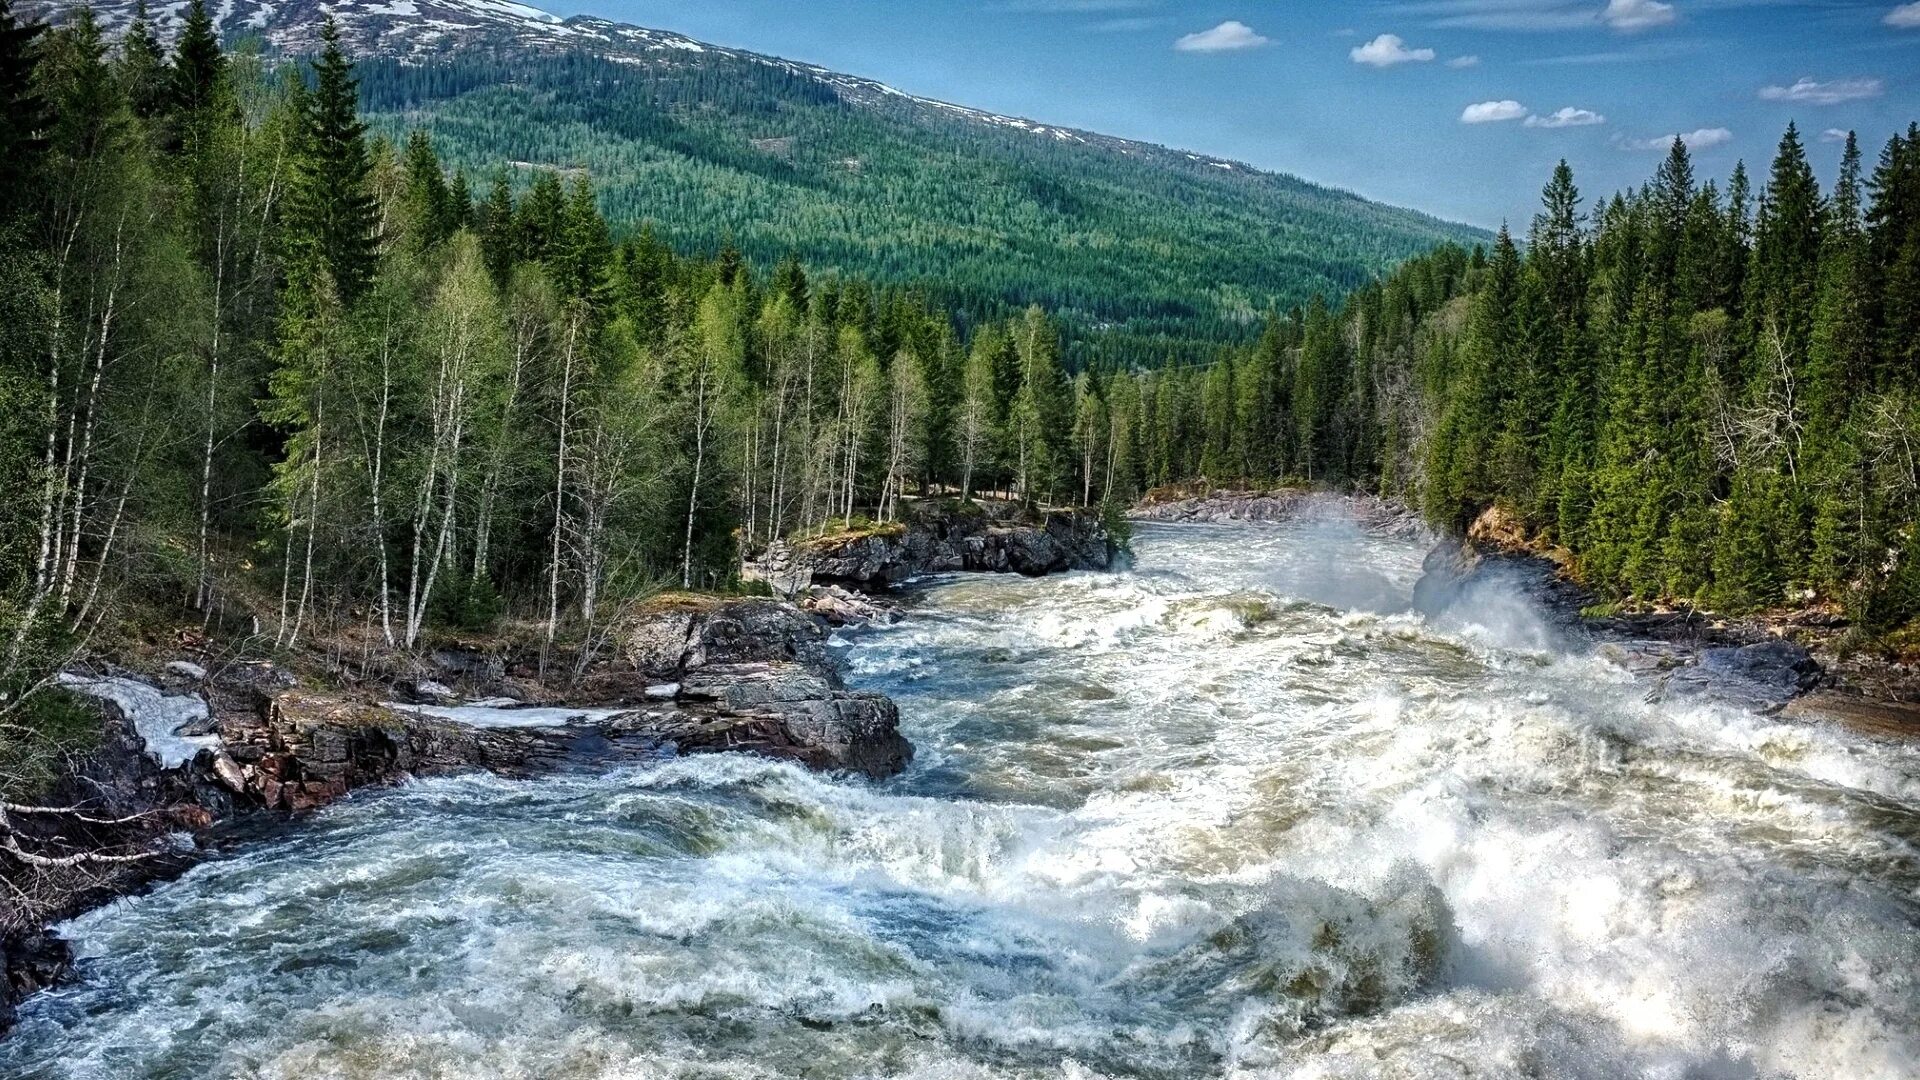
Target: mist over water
[(1239, 811)]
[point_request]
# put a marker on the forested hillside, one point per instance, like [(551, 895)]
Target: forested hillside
[(1706, 393), (1144, 252)]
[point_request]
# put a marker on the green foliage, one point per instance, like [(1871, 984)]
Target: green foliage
[(1142, 253), (469, 604), (1699, 405)]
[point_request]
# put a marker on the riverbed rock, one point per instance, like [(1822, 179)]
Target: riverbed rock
[(941, 537), (1220, 507), (840, 607), (1458, 579), (1887, 719), (1223, 506), (1762, 677), (787, 710)]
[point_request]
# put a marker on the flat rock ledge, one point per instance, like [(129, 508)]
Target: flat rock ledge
[(695, 675)]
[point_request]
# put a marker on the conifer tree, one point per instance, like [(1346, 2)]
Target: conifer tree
[(199, 66), (332, 214), (143, 66)]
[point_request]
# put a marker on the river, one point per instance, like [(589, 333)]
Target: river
[(1233, 812)]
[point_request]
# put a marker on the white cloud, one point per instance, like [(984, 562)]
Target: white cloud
[(1904, 17), (1834, 135), (1699, 139), (1229, 36), (1474, 61), (1388, 50), (1809, 92), (1567, 117), (1492, 112), (1639, 14)]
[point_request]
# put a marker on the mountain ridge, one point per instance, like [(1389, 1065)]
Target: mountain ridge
[(1172, 249)]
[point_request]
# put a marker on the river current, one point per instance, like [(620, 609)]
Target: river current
[(1235, 812)]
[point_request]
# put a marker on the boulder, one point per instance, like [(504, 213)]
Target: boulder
[(787, 711), (1762, 677), (940, 537)]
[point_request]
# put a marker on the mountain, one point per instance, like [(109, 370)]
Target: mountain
[(1147, 251)]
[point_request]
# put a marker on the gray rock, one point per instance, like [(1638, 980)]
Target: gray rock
[(657, 643), (939, 538), (187, 669), (1762, 677)]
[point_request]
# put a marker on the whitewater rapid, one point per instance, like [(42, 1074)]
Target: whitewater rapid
[(1235, 812)]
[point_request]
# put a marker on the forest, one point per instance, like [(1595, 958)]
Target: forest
[(1707, 395), (1140, 253), (265, 366)]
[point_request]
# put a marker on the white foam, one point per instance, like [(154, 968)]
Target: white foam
[(156, 716)]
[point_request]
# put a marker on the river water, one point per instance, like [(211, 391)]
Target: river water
[(1234, 812)]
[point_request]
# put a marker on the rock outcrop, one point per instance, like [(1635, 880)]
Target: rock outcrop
[(1683, 656), (690, 675), (1220, 507), (1186, 506), (938, 537)]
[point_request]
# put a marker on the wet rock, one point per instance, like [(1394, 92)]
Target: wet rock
[(784, 710), (750, 631), (843, 608), (1890, 719), (1762, 677), (31, 961), (430, 692), (1223, 507), (1459, 579)]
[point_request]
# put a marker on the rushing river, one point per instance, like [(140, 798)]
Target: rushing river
[(1235, 812)]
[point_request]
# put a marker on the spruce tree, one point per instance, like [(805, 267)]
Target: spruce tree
[(1786, 255), (426, 199), (499, 239), (332, 214), (199, 67), (143, 67), (1893, 244)]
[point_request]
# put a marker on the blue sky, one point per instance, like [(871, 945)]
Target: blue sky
[(1377, 96)]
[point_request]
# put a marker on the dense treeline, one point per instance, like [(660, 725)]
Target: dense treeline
[(1706, 394), (308, 384), (1141, 255)]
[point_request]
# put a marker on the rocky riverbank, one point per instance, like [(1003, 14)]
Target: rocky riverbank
[(1793, 665), (1222, 506), (193, 757), (941, 536), (1784, 665)]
